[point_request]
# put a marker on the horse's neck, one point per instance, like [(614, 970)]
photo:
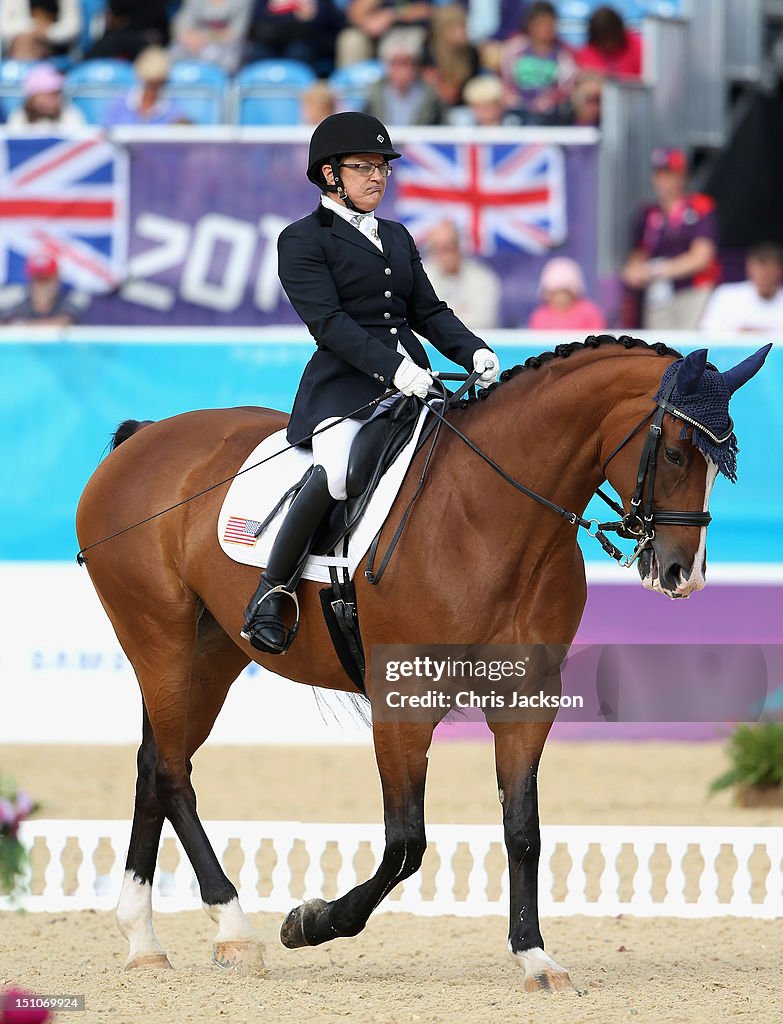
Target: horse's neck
[(543, 428)]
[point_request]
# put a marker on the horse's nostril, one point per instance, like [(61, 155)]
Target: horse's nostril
[(645, 563)]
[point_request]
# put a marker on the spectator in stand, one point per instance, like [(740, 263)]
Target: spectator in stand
[(132, 26), (611, 49), (38, 29), (537, 69), (369, 21), (469, 286), (450, 58), (490, 23), (43, 107), (752, 305), (583, 107), (46, 302), (483, 97), (564, 307), (316, 103), (146, 103), (402, 97), (304, 30), (673, 264), (213, 31)]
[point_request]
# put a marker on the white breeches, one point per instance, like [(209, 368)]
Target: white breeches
[(332, 448)]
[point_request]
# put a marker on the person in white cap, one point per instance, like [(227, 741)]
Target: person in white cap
[(43, 105), (146, 103), (565, 307)]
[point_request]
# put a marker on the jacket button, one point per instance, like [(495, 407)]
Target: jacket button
[(387, 295), (375, 375), (381, 377), (387, 271), (393, 330), (387, 316)]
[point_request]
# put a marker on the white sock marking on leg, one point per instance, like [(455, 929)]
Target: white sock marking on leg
[(232, 924), (134, 917)]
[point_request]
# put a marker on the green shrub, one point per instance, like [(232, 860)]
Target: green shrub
[(756, 755)]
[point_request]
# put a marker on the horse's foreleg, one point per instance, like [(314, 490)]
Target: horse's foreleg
[(134, 910), (518, 747), (401, 754)]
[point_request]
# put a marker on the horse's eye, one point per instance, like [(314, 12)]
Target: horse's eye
[(672, 455)]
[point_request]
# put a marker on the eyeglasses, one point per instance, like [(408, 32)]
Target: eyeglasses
[(367, 169)]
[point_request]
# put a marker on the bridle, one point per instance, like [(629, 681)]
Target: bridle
[(639, 524)]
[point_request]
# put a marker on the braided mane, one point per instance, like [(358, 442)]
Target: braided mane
[(564, 351)]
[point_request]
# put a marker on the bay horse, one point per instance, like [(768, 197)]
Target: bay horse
[(477, 563)]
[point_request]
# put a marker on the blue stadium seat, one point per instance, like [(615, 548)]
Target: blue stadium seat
[(199, 90), (268, 91), (93, 85), (12, 76), (351, 83)]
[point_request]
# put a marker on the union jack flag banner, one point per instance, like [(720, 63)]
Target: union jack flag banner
[(66, 198), (500, 196)]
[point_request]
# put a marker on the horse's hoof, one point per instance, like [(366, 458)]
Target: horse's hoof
[(154, 960), (296, 930), (245, 956), (542, 974), (549, 981)]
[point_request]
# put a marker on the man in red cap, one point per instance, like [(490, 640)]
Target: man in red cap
[(673, 264), (46, 301)]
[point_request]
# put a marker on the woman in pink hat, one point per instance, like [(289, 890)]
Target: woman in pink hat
[(565, 308), (43, 104)]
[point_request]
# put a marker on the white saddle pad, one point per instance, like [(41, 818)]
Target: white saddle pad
[(253, 495)]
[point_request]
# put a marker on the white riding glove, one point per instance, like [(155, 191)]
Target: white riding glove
[(412, 379), (480, 359)]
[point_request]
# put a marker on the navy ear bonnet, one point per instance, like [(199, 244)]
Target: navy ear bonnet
[(701, 398)]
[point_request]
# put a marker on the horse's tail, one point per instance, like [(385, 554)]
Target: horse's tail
[(127, 429)]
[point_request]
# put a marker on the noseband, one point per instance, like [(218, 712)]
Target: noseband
[(639, 524)]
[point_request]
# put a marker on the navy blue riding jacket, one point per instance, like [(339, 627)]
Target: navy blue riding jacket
[(358, 303)]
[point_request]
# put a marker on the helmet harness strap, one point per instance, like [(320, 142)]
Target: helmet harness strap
[(340, 188)]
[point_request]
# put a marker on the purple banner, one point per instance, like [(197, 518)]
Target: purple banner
[(203, 221)]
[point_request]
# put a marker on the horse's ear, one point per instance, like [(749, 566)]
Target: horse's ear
[(742, 372), (691, 371)]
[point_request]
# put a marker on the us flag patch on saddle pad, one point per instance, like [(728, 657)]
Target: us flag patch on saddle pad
[(241, 531)]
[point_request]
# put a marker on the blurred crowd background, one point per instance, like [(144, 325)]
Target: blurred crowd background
[(690, 222)]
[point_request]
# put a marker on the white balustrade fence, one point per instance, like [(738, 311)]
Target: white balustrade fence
[(603, 870)]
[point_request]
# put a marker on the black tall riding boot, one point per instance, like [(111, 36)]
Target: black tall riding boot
[(263, 625)]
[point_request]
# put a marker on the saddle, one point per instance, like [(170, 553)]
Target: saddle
[(374, 449)]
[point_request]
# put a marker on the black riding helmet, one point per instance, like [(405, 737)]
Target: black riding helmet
[(341, 134)]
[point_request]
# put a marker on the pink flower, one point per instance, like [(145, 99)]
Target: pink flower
[(11, 1013), (24, 805)]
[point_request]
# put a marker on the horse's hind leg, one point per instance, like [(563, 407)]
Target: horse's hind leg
[(134, 910), (184, 681), (216, 664), (518, 747), (401, 753)]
